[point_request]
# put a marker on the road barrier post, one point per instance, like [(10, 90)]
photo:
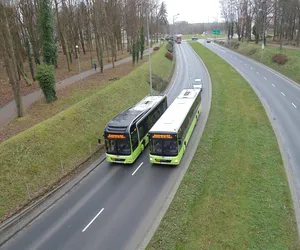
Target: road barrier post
[(28, 193)]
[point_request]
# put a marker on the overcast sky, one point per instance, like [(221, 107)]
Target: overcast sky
[(193, 11)]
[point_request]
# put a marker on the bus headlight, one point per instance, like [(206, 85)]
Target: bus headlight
[(151, 159), (176, 161)]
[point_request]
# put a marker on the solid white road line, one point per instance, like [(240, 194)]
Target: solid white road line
[(137, 168), (273, 85), (294, 105), (93, 220), (283, 94), (265, 78)]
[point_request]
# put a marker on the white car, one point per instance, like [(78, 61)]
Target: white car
[(198, 84)]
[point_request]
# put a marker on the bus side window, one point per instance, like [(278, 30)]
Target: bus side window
[(134, 137), (165, 106), (143, 129)]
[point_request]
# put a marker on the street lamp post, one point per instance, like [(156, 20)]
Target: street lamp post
[(78, 60), (149, 54), (263, 33), (174, 22)]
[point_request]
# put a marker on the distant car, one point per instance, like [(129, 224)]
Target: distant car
[(198, 84), (208, 40), (194, 38)]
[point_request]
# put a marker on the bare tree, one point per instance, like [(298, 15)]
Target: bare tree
[(10, 57)]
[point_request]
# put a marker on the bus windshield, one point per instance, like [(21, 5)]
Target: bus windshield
[(118, 146), (163, 147)]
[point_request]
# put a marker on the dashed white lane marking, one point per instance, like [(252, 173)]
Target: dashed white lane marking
[(265, 78), (251, 68), (257, 72), (282, 93), (294, 105), (273, 85), (137, 169), (93, 220)]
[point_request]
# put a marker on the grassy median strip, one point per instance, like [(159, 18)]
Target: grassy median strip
[(235, 193), (34, 156)]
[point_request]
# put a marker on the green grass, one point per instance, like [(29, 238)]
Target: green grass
[(33, 156), (235, 193), (290, 69)]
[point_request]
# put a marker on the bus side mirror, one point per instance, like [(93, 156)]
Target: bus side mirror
[(179, 142), (185, 143), (99, 140)]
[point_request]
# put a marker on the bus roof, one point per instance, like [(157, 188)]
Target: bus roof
[(174, 116), (126, 117)]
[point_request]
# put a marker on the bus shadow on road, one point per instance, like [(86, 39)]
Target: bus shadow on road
[(163, 166)]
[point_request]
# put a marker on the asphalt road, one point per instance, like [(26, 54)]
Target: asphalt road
[(282, 98), (115, 207)]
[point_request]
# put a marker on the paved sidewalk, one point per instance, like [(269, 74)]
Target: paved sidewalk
[(283, 46), (9, 111)]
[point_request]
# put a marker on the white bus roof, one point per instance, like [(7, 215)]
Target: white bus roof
[(172, 119), (146, 103)]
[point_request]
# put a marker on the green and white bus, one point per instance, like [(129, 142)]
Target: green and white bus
[(171, 133), (126, 135)]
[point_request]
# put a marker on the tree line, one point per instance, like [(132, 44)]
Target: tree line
[(254, 17), (183, 27), (34, 31)]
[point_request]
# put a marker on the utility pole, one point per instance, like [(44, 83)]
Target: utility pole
[(174, 22), (149, 54), (78, 59)]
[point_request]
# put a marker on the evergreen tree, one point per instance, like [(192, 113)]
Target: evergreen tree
[(45, 19), (137, 51), (142, 41), (46, 79), (133, 53)]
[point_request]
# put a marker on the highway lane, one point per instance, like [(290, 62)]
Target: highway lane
[(116, 206), (282, 98)]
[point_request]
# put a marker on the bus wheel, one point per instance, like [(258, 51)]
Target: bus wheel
[(143, 146)]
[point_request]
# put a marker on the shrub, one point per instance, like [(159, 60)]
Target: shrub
[(46, 79), (233, 44), (169, 47), (279, 58), (252, 52), (155, 48), (169, 56), (236, 46), (158, 83)]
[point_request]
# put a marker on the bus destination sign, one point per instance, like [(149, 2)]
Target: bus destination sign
[(116, 136), (165, 136)]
